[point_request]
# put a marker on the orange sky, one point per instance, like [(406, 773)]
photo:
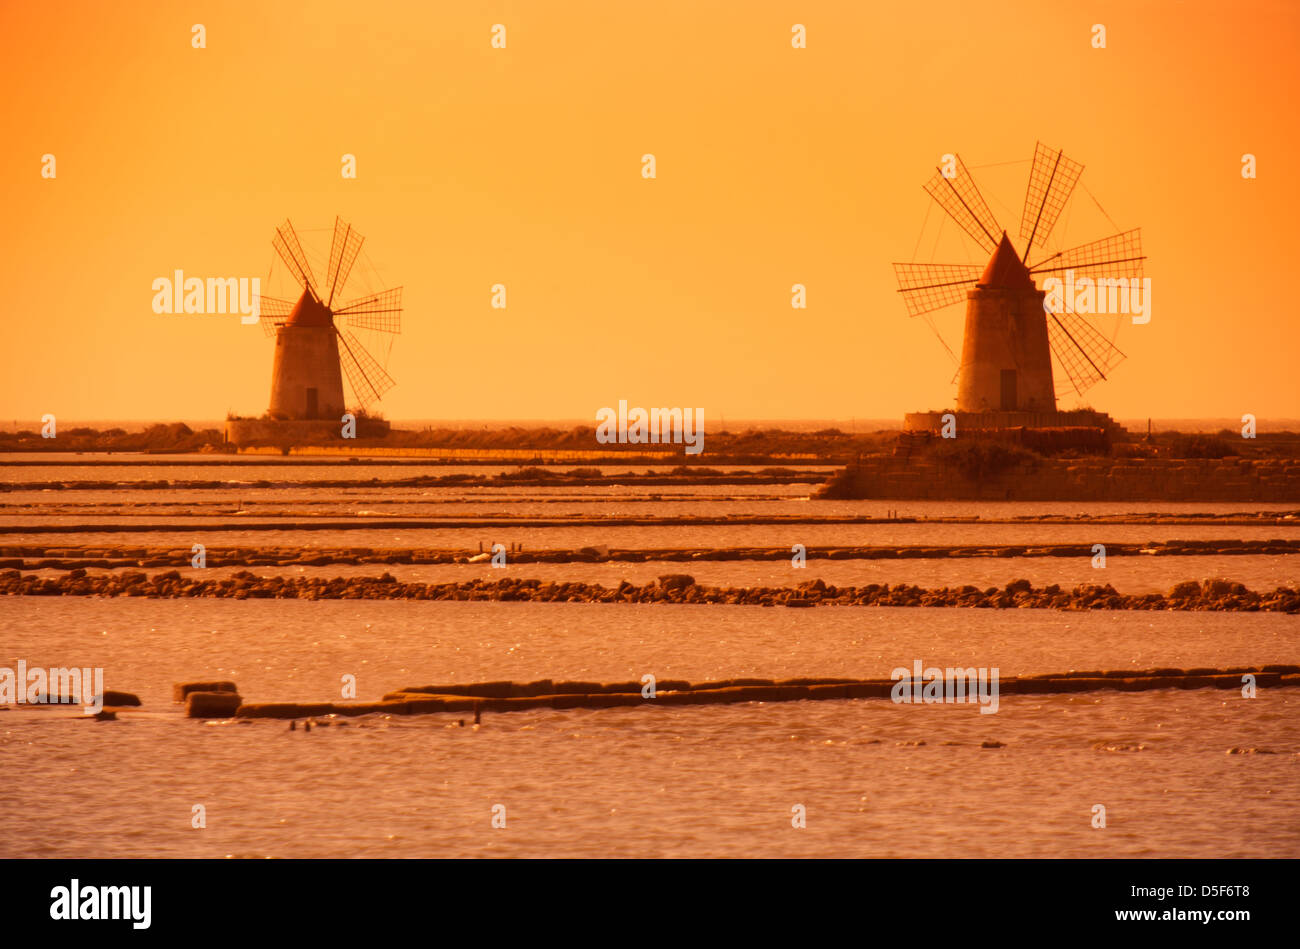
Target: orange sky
[(522, 166)]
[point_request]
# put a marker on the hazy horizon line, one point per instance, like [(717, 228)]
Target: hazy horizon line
[(851, 423)]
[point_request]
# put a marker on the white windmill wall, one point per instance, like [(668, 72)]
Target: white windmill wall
[(306, 357)]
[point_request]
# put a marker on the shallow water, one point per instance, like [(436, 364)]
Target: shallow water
[(658, 536), (286, 650), (877, 779), (693, 781)]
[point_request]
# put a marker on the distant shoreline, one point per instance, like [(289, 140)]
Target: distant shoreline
[(860, 425), (540, 446)]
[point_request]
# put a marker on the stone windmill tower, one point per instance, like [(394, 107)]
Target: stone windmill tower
[(1006, 361), (314, 345), (1005, 375)]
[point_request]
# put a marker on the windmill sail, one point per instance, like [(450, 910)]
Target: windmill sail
[(286, 245), (929, 287), (1117, 256), (963, 202), (272, 313), (343, 254), (377, 311), (1051, 182), (367, 378), (1085, 354)]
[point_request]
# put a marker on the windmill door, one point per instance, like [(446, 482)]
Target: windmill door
[(313, 406), (1008, 390)]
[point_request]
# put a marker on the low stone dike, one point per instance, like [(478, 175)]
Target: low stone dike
[(888, 477), (1211, 594), (32, 557), (212, 704), (181, 690), (503, 480), (514, 697)]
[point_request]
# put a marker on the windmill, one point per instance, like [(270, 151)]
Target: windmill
[(1010, 339), (314, 343)]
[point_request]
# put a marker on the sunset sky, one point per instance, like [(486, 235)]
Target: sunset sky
[(522, 166)]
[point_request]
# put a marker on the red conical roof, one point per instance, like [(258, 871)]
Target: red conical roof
[(309, 311), (1005, 271)]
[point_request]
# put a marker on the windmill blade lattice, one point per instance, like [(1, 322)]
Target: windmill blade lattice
[(963, 202), (343, 254), (377, 311), (1051, 182), (1117, 256), (1082, 350), (272, 313), (367, 378), (286, 245), (929, 287)]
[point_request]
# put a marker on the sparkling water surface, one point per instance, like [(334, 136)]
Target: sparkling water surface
[(876, 779)]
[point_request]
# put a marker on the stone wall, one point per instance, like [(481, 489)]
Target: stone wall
[(1073, 479), (970, 422), (257, 431)]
